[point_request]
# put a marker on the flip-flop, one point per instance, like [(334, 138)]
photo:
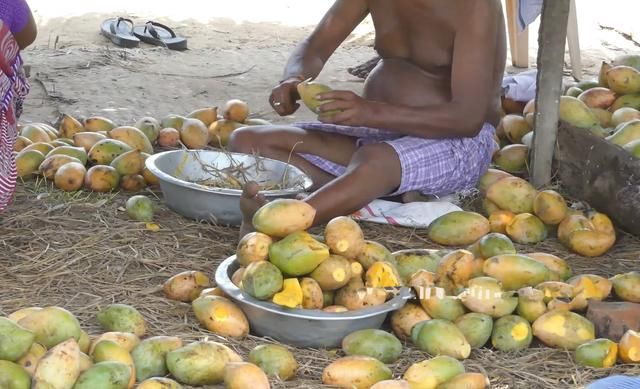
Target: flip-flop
[(120, 31), (160, 35)]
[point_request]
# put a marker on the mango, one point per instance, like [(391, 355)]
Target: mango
[(422, 280), (526, 228), (76, 152), (598, 97), (490, 178), (495, 244), (13, 376), (441, 337), (108, 351), (498, 221), (298, 254), (50, 165), (132, 183), (308, 90), (236, 110), (30, 360), (355, 295), (206, 115), (240, 375), (172, 121), (87, 140), (122, 318), (150, 178), (455, 270), (556, 290), (529, 111), (573, 91), (106, 150), (333, 273), (357, 372), (44, 148), (590, 243), (576, 113), (52, 132), (633, 148), (531, 304), (98, 123), (563, 329), (467, 381), (149, 356), (623, 80), (629, 347), (275, 360), (515, 127), (262, 280), (512, 158), (159, 383), (373, 343), (403, 319), (15, 341), (312, 297), (21, 143), (35, 134), (133, 137), (194, 134), (392, 384), (220, 316), (431, 373), (624, 115), (357, 270), (220, 132), (602, 74), (101, 178), (107, 375), (558, 266), (516, 271), (150, 127), (217, 291), (458, 228), (476, 328), (511, 333), (512, 194), (70, 177), (485, 295), (604, 117), (550, 207), (130, 162), (626, 101), (587, 287), (291, 294), (51, 326), (253, 247), (283, 217), (344, 237), (626, 133), (627, 286), (382, 275), (598, 353), (169, 137), (185, 286), (438, 305), (59, 368), (69, 126), (571, 223), (410, 261), (126, 340), (27, 162), (374, 252), (236, 277), (85, 362), (140, 208), (22, 313)]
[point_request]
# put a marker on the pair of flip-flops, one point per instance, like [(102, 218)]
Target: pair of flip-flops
[(124, 33)]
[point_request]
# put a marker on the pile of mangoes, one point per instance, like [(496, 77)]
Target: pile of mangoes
[(101, 157)]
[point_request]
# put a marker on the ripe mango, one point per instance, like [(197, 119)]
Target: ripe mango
[(122, 318), (281, 217), (220, 132), (489, 178), (194, 134), (403, 320), (86, 140), (35, 134), (111, 374), (105, 151), (200, 363), (355, 295), (206, 115), (333, 273), (458, 228), (344, 237), (44, 148), (516, 271), (626, 101), (357, 372), (30, 360), (140, 208), (312, 295), (27, 163), (623, 80), (526, 228), (22, 313), (511, 333), (172, 121), (392, 384), (514, 127), (308, 90), (441, 337), (275, 360), (132, 183), (159, 383), (498, 221), (98, 123), (236, 110), (531, 304), (563, 329), (512, 158), (169, 137), (410, 261), (185, 286), (598, 97), (485, 295), (571, 223), (291, 294), (21, 143), (150, 127), (126, 340), (589, 287), (476, 328), (51, 326), (253, 247), (382, 275), (373, 343), (13, 376), (133, 137), (59, 368), (129, 162), (558, 266), (576, 113), (598, 353), (76, 152), (467, 381), (15, 341), (440, 306), (494, 244), (626, 133), (589, 243), (149, 356), (550, 207), (455, 270), (220, 316), (374, 252), (52, 132), (108, 351), (629, 347), (431, 373), (50, 165), (69, 126), (262, 280), (101, 178), (604, 117), (627, 286), (241, 375), (556, 290), (298, 254), (512, 194)]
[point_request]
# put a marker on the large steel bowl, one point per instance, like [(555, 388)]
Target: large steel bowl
[(303, 327), (180, 172)]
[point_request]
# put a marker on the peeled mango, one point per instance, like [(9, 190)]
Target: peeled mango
[(627, 286), (563, 329), (122, 318), (431, 373), (356, 372), (13, 376), (241, 375), (291, 294), (275, 360), (52, 326), (105, 375), (262, 280), (458, 228), (476, 328), (298, 254), (441, 337), (149, 356), (15, 341), (511, 333), (598, 353), (629, 347), (59, 368), (382, 275), (512, 194), (373, 343), (281, 217), (186, 286), (516, 271), (344, 237)]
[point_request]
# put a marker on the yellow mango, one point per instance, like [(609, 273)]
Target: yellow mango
[(458, 228), (382, 275), (253, 247), (241, 375), (133, 137), (485, 295), (558, 266), (629, 347), (333, 273), (430, 373), (59, 368), (312, 295), (358, 372), (623, 80), (291, 294), (627, 286), (344, 237), (467, 381), (403, 320), (531, 303), (455, 270), (516, 271), (513, 194), (511, 333), (281, 217), (512, 158), (576, 113), (185, 286), (563, 329)]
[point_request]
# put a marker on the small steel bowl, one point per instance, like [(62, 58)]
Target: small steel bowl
[(179, 172), (303, 327)]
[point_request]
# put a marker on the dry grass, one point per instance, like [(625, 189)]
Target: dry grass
[(81, 252)]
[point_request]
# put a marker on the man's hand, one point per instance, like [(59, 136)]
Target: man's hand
[(350, 109), (283, 97)]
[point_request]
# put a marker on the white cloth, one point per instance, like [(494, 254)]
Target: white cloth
[(528, 11), (415, 215), (521, 86)]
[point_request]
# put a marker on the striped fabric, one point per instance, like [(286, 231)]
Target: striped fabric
[(13, 89)]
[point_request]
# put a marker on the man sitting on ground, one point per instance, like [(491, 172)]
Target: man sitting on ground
[(425, 123)]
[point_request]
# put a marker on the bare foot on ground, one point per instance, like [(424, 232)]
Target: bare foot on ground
[(250, 201)]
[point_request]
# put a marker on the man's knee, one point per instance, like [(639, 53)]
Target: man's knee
[(244, 140), (380, 161)]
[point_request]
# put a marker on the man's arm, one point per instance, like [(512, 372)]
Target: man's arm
[(309, 57), (472, 77)]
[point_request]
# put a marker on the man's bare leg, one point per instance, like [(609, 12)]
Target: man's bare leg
[(374, 171)]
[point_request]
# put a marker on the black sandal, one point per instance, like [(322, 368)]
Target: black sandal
[(160, 35), (120, 31)]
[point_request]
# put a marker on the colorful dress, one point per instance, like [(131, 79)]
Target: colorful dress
[(13, 89)]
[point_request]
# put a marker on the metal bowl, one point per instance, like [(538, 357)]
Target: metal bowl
[(180, 171), (303, 327)]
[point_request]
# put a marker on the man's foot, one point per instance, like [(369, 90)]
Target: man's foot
[(415, 196), (250, 201)]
